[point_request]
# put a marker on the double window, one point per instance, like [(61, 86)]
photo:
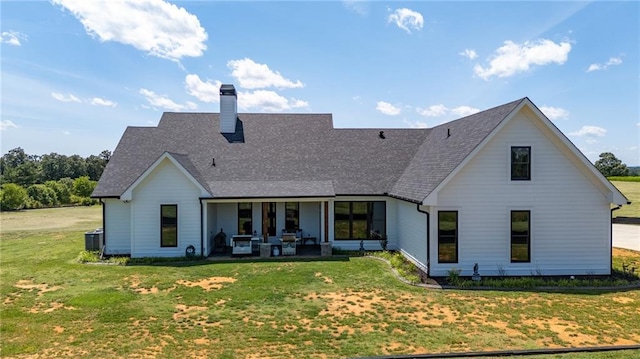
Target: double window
[(245, 225), (520, 236), (521, 163), (448, 237), (360, 220), (169, 225)]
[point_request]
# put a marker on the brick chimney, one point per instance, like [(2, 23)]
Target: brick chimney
[(228, 108)]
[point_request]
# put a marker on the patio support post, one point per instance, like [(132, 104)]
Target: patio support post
[(326, 221), (265, 222)]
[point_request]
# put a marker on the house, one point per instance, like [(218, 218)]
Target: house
[(503, 188)]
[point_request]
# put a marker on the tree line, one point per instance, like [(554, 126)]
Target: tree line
[(31, 181)]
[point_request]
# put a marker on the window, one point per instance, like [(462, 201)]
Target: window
[(168, 225), (360, 220), (292, 217), (520, 236), (244, 218), (520, 163), (448, 237), (271, 218)]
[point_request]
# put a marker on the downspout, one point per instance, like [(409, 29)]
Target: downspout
[(104, 228), (611, 236), (428, 236), (201, 229)]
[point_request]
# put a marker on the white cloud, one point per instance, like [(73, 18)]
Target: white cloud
[(468, 53), (433, 111), (613, 61), (102, 102), (157, 27), (416, 124), (590, 133), (205, 91), (164, 102), (442, 110), (512, 58), (252, 75), (360, 7), (268, 101), (387, 108), (463, 111), (594, 67), (554, 113), (12, 37), (7, 124), (407, 19), (60, 97)]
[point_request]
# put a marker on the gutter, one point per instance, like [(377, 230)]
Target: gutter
[(611, 236), (428, 238)]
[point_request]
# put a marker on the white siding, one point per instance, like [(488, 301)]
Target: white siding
[(310, 219), (227, 219), (117, 229), (412, 233), (569, 216), (165, 185)]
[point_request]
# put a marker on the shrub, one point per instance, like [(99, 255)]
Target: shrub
[(13, 197), (42, 194), (63, 192), (453, 276), (83, 186), (88, 257)]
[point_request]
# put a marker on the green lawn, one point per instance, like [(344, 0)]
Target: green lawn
[(52, 306), (632, 191)]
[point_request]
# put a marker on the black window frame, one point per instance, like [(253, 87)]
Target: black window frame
[(519, 237), (373, 231), (164, 226), (291, 217), (517, 166), (442, 236), (272, 218), (243, 219)]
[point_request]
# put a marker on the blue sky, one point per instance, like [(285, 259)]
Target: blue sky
[(75, 73)]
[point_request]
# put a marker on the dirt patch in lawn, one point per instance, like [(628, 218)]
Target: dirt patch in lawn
[(208, 283), (42, 288), (134, 284), (324, 278)]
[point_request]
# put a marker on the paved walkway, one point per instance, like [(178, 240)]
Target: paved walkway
[(626, 236)]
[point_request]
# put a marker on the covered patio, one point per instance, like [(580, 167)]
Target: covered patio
[(267, 218)]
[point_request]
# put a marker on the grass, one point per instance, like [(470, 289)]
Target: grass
[(53, 306), (632, 191)]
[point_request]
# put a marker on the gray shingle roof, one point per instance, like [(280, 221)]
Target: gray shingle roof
[(299, 155)]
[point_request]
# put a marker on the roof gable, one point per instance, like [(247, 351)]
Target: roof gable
[(180, 161), (556, 136), (446, 147)]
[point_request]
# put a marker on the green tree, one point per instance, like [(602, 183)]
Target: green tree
[(609, 165), (12, 197), (83, 186), (54, 166), (20, 168)]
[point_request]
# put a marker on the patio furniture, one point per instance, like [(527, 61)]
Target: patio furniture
[(241, 244), (288, 244)]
